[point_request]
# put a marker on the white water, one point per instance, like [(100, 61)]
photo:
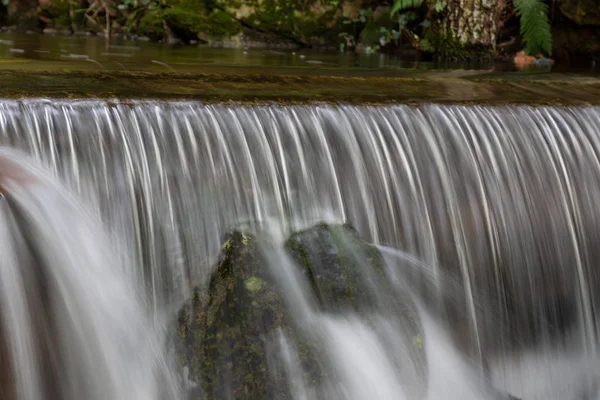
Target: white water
[(74, 323), (497, 208)]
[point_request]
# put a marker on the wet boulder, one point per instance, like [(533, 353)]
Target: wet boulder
[(349, 276), (225, 331), (228, 333), (344, 271), (231, 331), (582, 12)]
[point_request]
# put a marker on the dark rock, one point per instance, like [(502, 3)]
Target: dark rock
[(227, 334), (582, 12), (334, 259), (229, 330), (348, 274), (23, 14)]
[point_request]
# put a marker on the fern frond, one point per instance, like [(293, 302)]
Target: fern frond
[(400, 5), (535, 27)]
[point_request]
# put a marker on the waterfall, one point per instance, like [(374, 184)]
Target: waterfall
[(490, 212), (72, 322)]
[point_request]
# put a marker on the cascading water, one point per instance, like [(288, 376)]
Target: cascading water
[(486, 216), (72, 324)]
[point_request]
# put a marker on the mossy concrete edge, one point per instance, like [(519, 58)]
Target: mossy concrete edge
[(443, 88)]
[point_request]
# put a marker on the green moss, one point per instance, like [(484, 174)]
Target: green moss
[(241, 308), (263, 88), (226, 246), (188, 24), (418, 341), (254, 284), (444, 45), (59, 13), (372, 31), (219, 23)]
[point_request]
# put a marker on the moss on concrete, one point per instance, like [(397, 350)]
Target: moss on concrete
[(443, 88)]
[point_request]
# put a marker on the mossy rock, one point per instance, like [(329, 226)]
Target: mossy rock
[(23, 14), (187, 24), (582, 12), (306, 22), (339, 266), (228, 333), (349, 275)]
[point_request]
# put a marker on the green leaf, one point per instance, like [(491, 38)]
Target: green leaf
[(5, 2), (536, 31), (426, 46), (401, 5)]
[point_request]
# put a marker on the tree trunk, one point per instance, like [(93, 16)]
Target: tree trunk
[(474, 22), (108, 22)]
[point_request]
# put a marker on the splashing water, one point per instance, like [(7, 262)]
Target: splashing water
[(71, 319), (487, 216)]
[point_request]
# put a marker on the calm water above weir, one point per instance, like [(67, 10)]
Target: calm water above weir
[(56, 52)]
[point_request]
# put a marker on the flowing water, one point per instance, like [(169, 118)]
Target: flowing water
[(487, 216)]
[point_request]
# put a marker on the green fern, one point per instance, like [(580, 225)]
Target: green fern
[(535, 27), (401, 5)]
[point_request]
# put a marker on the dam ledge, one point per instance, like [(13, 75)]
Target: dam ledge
[(409, 87)]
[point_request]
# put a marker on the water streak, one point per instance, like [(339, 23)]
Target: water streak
[(498, 205)]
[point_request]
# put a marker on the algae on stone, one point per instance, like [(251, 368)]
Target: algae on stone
[(226, 339), (228, 334)]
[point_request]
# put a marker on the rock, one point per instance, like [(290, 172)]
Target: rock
[(336, 262), (543, 62), (582, 12), (23, 14), (344, 270), (349, 276), (229, 329), (228, 333), (301, 22)]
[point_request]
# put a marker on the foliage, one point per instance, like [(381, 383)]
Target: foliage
[(535, 27), (416, 23), (444, 45), (401, 5)]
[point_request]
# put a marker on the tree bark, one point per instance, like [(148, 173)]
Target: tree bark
[(474, 22)]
